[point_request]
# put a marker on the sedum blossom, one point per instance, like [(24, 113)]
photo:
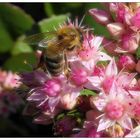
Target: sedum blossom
[(115, 108)]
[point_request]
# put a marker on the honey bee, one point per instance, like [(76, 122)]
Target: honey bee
[(57, 45)]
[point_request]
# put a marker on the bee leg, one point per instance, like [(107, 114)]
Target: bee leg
[(66, 66)]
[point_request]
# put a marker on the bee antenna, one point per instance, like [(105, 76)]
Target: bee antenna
[(82, 20)]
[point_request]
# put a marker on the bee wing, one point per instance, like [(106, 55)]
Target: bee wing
[(40, 39), (44, 42)]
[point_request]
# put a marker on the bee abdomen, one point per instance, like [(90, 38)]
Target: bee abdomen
[(55, 59), (55, 65)]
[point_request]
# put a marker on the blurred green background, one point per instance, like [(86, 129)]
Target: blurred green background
[(18, 20)]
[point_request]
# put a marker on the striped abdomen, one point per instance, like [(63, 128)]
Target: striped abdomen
[(55, 64)]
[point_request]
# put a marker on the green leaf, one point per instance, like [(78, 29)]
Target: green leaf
[(6, 41), (73, 5), (87, 92), (15, 19), (138, 53), (21, 47), (98, 29), (49, 24), (17, 63), (48, 9)]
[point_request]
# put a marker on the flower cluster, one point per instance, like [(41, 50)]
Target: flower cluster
[(9, 99), (101, 95)]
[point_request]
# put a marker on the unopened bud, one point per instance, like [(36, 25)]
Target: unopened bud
[(100, 16), (116, 29)]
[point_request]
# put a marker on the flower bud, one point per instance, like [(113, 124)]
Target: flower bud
[(113, 7), (100, 16), (138, 66), (67, 103), (130, 42), (116, 29), (127, 62)]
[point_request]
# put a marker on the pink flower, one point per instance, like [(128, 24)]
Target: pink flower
[(111, 74), (91, 52), (50, 94), (79, 76), (115, 108)]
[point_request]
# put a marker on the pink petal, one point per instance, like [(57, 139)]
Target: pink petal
[(94, 82), (97, 42), (104, 57), (53, 101), (89, 65), (113, 90), (125, 79), (37, 96), (89, 85), (100, 103), (135, 94), (111, 69), (120, 50), (126, 122), (104, 123)]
